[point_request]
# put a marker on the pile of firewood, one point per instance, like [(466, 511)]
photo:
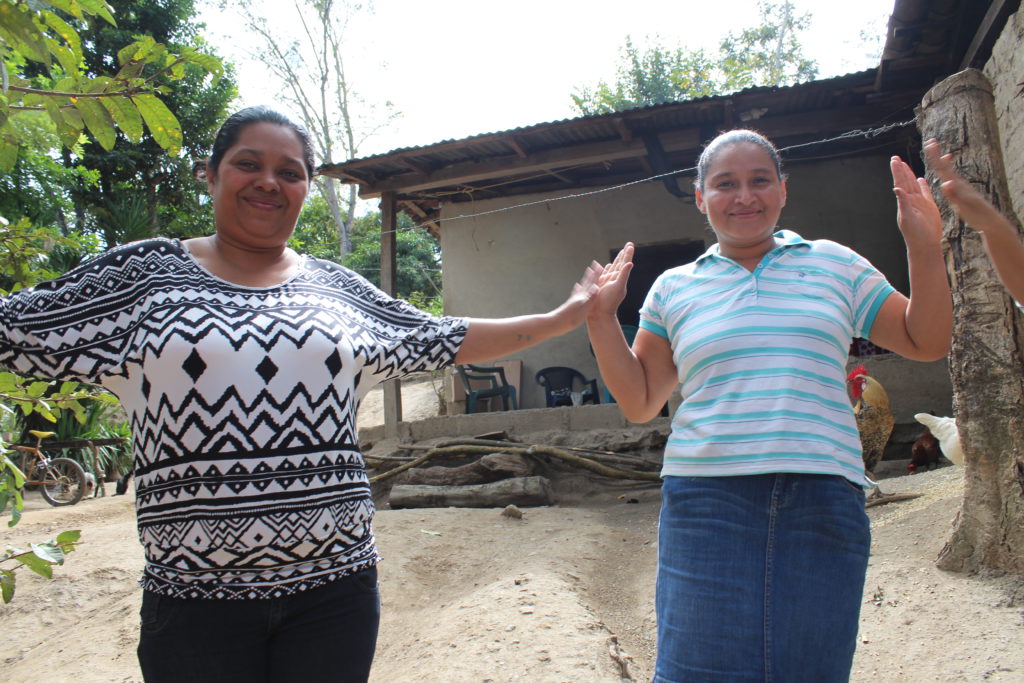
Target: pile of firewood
[(500, 472)]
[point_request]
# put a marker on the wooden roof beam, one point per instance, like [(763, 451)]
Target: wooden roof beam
[(986, 35), (564, 178), (517, 146), (625, 132), (413, 166)]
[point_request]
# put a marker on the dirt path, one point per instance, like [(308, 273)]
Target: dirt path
[(471, 595)]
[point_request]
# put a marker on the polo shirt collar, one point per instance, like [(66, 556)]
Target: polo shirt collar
[(787, 239)]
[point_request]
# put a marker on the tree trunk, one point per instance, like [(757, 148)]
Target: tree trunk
[(986, 360), (329, 190), (521, 491)]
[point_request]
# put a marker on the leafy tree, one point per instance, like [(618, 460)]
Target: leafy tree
[(315, 232), (36, 187), (766, 55), (142, 191), (418, 255), (769, 54), (49, 99), (654, 76), (42, 67), (315, 80)]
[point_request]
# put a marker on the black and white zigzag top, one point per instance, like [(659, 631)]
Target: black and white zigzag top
[(242, 401)]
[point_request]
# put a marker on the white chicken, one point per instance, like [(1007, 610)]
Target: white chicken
[(944, 429)]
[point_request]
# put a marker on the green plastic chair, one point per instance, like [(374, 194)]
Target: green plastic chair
[(497, 386)]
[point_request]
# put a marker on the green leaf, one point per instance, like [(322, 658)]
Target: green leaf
[(99, 8), (6, 585), (126, 116), (67, 58), (17, 27), (37, 389), (98, 120), (208, 62), (48, 552), (68, 387), (44, 410), (8, 153), (135, 52), (8, 380), (156, 53), (40, 566), (66, 129), (70, 6), (67, 34), (162, 124), (71, 536), (15, 513)]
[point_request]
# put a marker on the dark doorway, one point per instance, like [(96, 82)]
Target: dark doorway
[(649, 262)]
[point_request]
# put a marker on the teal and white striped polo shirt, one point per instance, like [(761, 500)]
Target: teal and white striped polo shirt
[(761, 358)]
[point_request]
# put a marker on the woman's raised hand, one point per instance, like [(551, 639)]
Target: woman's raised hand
[(611, 282), (581, 298), (973, 208), (916, 212)]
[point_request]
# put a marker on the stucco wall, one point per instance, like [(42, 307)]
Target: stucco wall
[(1005, 69), (526, 260)]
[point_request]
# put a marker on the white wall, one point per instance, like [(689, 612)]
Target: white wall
[(526, 260)]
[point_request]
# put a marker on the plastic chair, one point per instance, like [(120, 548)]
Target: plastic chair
[(559, 386), (497, 386)]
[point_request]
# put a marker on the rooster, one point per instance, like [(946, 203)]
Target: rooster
[(874, 419), (944, 429)]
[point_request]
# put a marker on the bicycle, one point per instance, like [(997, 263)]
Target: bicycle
[(62, 481)]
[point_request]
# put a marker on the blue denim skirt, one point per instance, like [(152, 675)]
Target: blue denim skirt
[(760, 578)]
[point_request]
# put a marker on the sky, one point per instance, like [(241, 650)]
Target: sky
[(457, 68)]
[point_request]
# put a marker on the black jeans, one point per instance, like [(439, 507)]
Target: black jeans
[(326, 634)]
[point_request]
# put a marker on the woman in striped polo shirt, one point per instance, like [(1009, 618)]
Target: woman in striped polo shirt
[(763, 539)]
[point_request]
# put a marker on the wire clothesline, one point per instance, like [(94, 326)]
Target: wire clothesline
[(855, 133)]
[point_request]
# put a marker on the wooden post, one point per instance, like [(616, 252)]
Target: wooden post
[(388, 282), (986, 360)]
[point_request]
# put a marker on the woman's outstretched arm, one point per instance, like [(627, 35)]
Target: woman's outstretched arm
[(640, 378), (1003, 244), (491, 338), (921, 327)]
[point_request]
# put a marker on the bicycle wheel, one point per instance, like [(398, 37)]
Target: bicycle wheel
[(64, 483)]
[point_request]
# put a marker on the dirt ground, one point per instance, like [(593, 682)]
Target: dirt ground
[(563, 594)]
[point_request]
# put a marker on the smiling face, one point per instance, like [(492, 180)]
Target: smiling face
[(742, 196), (259, 187)]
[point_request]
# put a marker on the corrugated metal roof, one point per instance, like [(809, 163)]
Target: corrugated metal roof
[(926, 40)]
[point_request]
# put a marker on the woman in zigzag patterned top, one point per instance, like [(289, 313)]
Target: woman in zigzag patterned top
[(763, 539), (240, 364)]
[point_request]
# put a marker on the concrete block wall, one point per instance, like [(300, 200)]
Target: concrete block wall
[(1005, 69), (515, 422)]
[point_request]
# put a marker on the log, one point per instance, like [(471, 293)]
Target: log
[(519, 491), (491, 467)]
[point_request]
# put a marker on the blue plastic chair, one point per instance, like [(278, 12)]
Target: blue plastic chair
[(497, 386)]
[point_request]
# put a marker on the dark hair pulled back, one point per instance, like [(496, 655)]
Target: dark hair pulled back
[(232, 128), (734, 137)]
